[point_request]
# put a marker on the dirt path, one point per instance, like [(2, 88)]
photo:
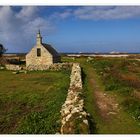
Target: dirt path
[(107, 105), (106, 109)]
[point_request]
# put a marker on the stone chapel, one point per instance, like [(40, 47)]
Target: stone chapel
[(42, 54)]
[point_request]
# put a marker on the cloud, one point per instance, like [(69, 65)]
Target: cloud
[(18, 29), (107, 12), (98, 13), (65, 14), (28, 13)]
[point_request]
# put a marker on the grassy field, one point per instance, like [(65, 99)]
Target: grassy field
[(112, 94), (30, 103)]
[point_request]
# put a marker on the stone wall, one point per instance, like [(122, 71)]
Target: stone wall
[(13, 67), (55, 67), (74, 118)]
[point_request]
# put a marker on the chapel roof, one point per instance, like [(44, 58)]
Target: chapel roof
[(50, 49)]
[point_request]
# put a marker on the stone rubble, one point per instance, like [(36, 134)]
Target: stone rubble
[(73, 108)]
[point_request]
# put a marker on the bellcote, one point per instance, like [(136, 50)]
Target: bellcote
[(39, 38)]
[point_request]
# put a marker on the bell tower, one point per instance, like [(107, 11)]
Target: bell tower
[(39, 38)]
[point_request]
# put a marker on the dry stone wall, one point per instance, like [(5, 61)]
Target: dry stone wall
[(55, 67), (13, 67), (74, 118)]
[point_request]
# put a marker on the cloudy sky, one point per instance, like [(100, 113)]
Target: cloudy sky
[(72, 29)]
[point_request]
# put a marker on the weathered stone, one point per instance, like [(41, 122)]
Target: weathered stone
[(2, 68), (84, 114), (111, 113), (85, 121), (13, 67), (74, 104), (53, 67), (66, 111), (15, 72), (42, 54), (68, 117)]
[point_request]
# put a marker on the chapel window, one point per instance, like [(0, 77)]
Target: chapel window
[(38, 52)]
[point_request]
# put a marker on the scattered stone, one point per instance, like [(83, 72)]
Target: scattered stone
[(85, 121), (111, 113), (15, 72), (2, 68), (25, 72)]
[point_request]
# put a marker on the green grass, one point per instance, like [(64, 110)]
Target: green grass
[(31, 103), (119, 75), (118, 78)]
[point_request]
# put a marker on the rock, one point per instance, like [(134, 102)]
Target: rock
[(25, 72), (85, 121), (68, 117), (75, 110), (84, 114), (15, 72), (111, 113), (2, 68), (66, 111)]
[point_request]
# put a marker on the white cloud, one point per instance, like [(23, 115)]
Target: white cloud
[(107, 12), (18, 29), (65, 14), (28, 13), (98, 13)]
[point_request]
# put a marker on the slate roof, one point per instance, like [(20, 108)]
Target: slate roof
[(50, 49)]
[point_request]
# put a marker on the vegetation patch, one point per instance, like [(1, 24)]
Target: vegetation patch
[(31, 103), (118, 75), (107, 83), (121, 77)]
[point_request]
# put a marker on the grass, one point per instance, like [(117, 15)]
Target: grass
[(118, 78), (31, 103)]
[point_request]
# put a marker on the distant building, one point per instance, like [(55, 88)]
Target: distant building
[(42, 54)]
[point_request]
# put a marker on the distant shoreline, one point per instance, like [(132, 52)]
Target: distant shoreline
[(76, 53)]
